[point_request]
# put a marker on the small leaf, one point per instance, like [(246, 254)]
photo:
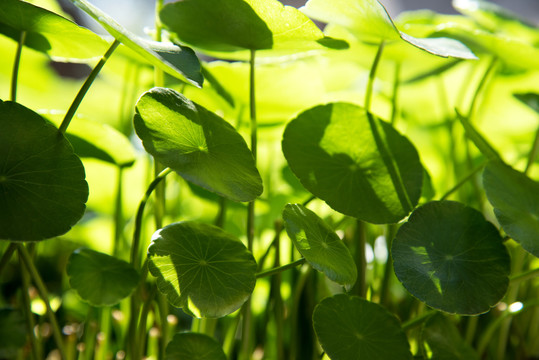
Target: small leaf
[(49, 33), (515, 198), (97, 140), (42, 187), (349, 327), (201, 268), (197, 144), (234, 25), (530, 99), (178, 61), (445, 341), (319, 244), (448, 256), (193, 346), (100, 279), (358, 164), (369, 21), (13, 332)]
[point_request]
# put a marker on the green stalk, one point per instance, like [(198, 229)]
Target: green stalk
[(417, 320), (86, 86), (16, 65), (118, 215), (360, 241), (524, 276), (533, 152), (7, 256), (277, 297), (163, 313), (280, 269), (105, 329), (388, 268), (296, 298), (395, 97), (481, 85), (372, 75), (43, 293), (221, 214), (463, 181), (29, 315)]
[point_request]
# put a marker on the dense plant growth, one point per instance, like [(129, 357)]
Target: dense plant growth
[(366, 191)]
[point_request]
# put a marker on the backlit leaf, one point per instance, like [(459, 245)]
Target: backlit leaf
[(197, 144), (355, 162), (43, 190), (349, 327), (515, 198), (448, 256), (100, 279), (201, 268), (319, 244)]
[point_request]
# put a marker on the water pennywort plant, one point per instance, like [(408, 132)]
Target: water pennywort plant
[(363, 191)]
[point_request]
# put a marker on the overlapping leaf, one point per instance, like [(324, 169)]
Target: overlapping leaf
[(201, 268), (197, 144), (349, 327), (191, 346), (100, 279), (444, 340), (358, 164), (49, 33), (319, 244), (43, 190), (448, 256)]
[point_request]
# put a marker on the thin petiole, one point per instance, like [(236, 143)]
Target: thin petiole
[(86, 86), (280, 269), (372, 75), (16, 65), (533, 153), (463, 181), (7, 256)]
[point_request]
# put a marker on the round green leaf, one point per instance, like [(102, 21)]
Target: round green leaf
[(233, 25), (319, 244), (201, 268), (355, 162), (42, 187), (444, 340), (515, 198), (100, 279), (197, 144), (448, 256), (349, 327), (193, 346), (49, 33), (13, 332)]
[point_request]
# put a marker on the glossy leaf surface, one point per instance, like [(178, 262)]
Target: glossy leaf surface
[(234, 25), (448, 256), (178, 61), (192, 346), (349, 327), (197, 144), (369, 21), (100, 279), (515, 198), (12, 332), (358, 164), (319, 244), (43, 190), (201, 268), (444, 340), (49, 33)]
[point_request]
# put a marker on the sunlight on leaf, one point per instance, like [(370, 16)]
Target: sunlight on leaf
[(348, 326), (201, 268), (319, 244), (448, 256), (197, 144), (43, 190)]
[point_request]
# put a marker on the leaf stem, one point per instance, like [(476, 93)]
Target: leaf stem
[(360, 242), (140, 212), (391, 231), (481, 85), (526, 275), (43, 293), (16, 65), (7, 256), (372, 75), (463, 181), (118, 214), (417, 320), (86, 86), (533, 153), (280, 269), (29, 315), (395, 97)]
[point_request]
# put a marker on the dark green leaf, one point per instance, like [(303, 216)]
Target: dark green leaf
[(319, 244), (349, 328), (530, 99), (515, 198), (100, 279), (42, 187), (194, 346), (196, 143), (445, 341), (49, 33), (448, 256), (13, 332), (358, 164), (233, 25), (178, 61), (201, 268)]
